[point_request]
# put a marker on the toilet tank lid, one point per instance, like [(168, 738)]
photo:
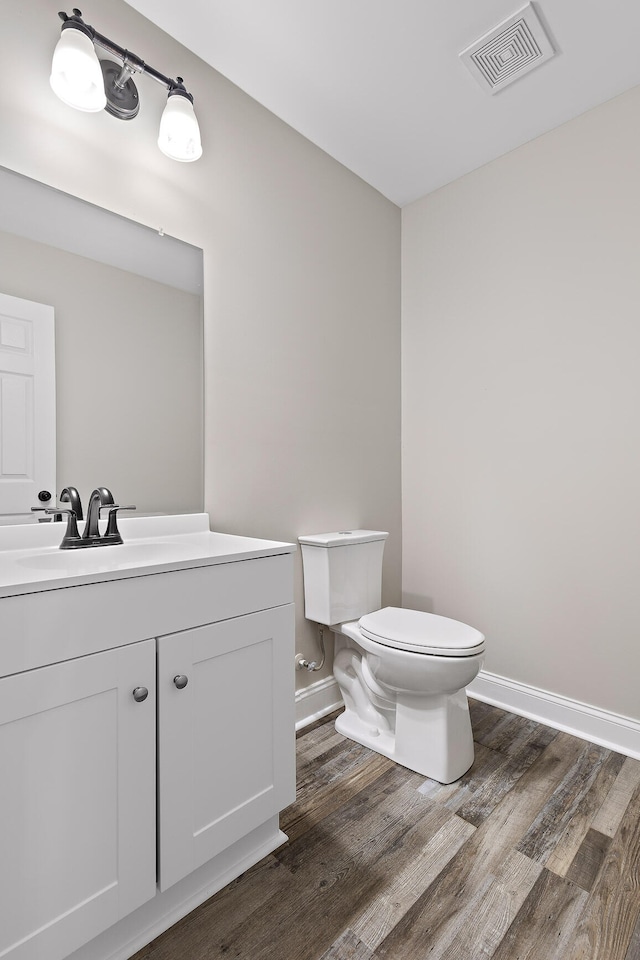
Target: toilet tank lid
[(342, 538)]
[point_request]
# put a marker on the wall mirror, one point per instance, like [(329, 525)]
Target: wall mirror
[(128, 305)]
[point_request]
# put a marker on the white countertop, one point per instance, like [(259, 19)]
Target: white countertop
[(31, 561)]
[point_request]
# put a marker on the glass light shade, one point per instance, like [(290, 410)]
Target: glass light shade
[(76, 76), (179, 136)]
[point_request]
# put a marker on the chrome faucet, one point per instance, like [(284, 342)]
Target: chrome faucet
[(100, 499)]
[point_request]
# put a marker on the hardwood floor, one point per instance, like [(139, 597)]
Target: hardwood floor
[(533, 855)]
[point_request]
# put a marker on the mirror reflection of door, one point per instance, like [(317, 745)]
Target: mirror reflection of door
[(27, 406)]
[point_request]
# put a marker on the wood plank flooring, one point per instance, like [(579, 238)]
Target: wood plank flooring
[(533, 855)]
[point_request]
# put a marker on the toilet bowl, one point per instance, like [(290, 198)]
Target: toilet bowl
[(402, 673), (417, 711)]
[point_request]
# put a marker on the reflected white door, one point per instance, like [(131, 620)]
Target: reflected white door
[(27, 404)]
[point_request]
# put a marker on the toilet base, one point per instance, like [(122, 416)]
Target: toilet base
[(432, 737)]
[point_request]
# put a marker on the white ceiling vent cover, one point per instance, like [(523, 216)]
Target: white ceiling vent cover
[(510, 50)]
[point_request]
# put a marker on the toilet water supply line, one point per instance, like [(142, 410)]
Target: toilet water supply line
[(312, 665)]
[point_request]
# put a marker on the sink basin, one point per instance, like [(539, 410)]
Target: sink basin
[(107, 558)]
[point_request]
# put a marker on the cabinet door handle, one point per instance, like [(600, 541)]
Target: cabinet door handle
[(181, 681), (140, 694)]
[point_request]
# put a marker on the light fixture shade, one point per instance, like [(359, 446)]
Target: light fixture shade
[(179, 136), (76, 76)]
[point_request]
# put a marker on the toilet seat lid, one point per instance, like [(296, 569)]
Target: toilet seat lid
[(421, 632)]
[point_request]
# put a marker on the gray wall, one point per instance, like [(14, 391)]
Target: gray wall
[(128, 376), (301, 278), (521, 400)]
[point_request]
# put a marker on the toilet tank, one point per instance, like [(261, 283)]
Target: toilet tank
[(342, 574)]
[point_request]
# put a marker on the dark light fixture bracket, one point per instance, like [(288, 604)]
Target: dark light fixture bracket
[(120, 90)]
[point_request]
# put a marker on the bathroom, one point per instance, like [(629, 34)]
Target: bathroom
[(509, 484)]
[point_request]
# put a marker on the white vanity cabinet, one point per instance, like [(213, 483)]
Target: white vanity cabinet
[(77, 795), (147, 740)]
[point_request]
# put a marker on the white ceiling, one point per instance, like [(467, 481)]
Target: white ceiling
[(378, 84)]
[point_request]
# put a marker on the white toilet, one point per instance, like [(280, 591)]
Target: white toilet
[(402, 673)]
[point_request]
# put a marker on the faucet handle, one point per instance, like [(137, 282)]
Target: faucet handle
[(52, 510), (71, 537), (112, 534), (45, 510)]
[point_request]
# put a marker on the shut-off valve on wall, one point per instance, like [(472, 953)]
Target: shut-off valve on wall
[(312, 665)]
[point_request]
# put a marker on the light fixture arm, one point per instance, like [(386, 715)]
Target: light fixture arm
[(132, 63), (128, 69)]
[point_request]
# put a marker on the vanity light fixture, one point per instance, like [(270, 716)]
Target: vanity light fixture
[(87, 83)]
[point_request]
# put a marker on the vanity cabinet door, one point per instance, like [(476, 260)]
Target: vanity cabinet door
[(226, 737), (77, 800)]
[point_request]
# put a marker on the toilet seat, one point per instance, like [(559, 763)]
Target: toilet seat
[(419, 632)]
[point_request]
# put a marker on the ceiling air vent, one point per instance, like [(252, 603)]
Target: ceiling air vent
[(510, 50)]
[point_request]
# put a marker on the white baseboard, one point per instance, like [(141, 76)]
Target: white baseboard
[(316, 701), (610, 730)]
